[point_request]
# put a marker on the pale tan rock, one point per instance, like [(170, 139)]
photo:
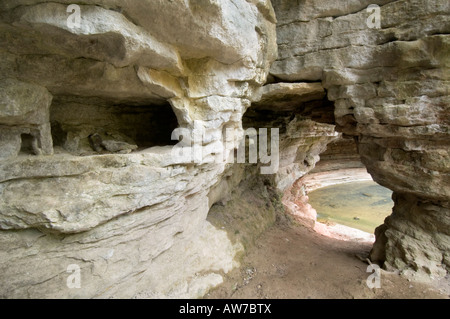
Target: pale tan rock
[(113, 38), (415, 224), (287, 96)]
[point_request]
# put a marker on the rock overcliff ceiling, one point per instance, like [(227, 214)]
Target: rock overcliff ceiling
[(88, 108)]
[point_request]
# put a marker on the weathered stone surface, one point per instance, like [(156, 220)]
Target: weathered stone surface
[(24, 109), (299, 111), (415, 238), (287, 96), (341, 154), (23, 103), (10, 142), (300, 149), (224, 30), (112, 37), (317, 43), (119, 259), (301, 138)]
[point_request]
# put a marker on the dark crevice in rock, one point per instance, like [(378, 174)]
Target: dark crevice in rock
[(84, 128), (27, 144)]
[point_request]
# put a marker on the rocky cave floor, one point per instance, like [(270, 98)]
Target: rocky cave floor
[(291, 261)]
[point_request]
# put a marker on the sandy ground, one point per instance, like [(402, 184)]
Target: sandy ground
[(293, 262)]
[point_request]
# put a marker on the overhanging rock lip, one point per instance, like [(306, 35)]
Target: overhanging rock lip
[(60, 165)]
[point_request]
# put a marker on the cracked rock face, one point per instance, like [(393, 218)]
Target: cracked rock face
[(390, 90)]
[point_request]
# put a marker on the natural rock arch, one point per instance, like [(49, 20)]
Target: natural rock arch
[(380, 81)]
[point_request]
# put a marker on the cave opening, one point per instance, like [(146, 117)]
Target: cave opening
[(349, 204), (360, 204), (332, 179), (87, 128), (27, 144)]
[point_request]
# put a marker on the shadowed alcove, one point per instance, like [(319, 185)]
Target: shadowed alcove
[(83, 127)]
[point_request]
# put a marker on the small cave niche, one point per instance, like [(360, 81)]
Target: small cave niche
[(267, 115), (320, 111), (148, 126), (26, 146), (86, 128)]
